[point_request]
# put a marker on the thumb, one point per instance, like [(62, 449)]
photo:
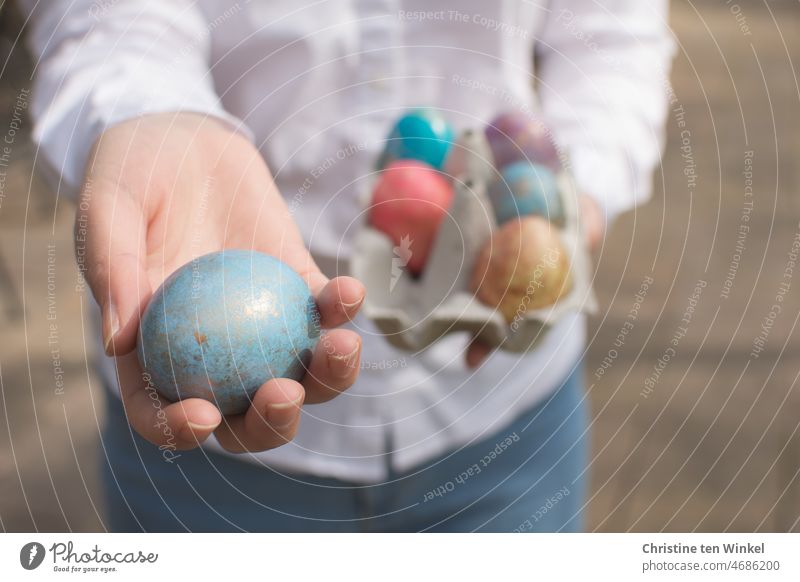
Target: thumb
[(110, 229), (477, 353), (338, 299)]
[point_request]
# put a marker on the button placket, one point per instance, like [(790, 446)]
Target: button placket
[(380, 96)]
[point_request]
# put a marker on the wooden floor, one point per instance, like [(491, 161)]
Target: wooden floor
[(708, 440)]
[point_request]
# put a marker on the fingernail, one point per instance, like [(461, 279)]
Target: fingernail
[(196, 430), (110, 327), (283, 414), (348, 308), (341, 365)]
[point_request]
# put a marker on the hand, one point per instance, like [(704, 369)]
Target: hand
[(593, 225), (592, 221), (160, 191)]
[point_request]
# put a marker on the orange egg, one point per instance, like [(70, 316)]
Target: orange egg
[(521, 268)]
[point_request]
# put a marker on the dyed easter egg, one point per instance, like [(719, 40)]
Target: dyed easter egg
[(525, 189), (409, 203), (514, 137), (522, 267), (421, 134), (225, 323)]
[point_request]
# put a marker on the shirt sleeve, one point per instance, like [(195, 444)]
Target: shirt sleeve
[(604, 90), (101, 63)]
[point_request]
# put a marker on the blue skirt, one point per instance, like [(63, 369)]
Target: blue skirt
[(531, 476)]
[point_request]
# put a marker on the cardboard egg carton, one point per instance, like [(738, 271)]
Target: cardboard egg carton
[(414, 313)]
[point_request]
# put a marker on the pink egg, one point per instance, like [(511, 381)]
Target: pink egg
[(409, 203)]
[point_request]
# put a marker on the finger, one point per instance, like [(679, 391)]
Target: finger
[(592, 221), (334, 366), (271, 420), (180, 425), (477, 353), (110, 239), (339, 301)]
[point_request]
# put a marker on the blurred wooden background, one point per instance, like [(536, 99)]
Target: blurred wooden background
[(713, 446)]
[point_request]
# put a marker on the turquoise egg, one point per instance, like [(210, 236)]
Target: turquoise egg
[(225, 323), (524, 189), (421, 134)]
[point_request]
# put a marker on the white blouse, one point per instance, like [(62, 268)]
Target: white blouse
[(315, 81)]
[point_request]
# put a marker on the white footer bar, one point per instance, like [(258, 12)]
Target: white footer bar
[(407, 557)]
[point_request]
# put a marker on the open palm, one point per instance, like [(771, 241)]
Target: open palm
[(162, 190)]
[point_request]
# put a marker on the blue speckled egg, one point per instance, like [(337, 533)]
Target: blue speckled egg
[(526, 189), (421, 134), (225, 323)]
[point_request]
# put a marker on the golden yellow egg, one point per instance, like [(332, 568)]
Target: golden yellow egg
[(522, 267)]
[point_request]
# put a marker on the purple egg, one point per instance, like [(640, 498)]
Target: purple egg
[(514, 137)]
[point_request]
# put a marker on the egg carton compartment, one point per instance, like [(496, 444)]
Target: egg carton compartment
[(413, 313)]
